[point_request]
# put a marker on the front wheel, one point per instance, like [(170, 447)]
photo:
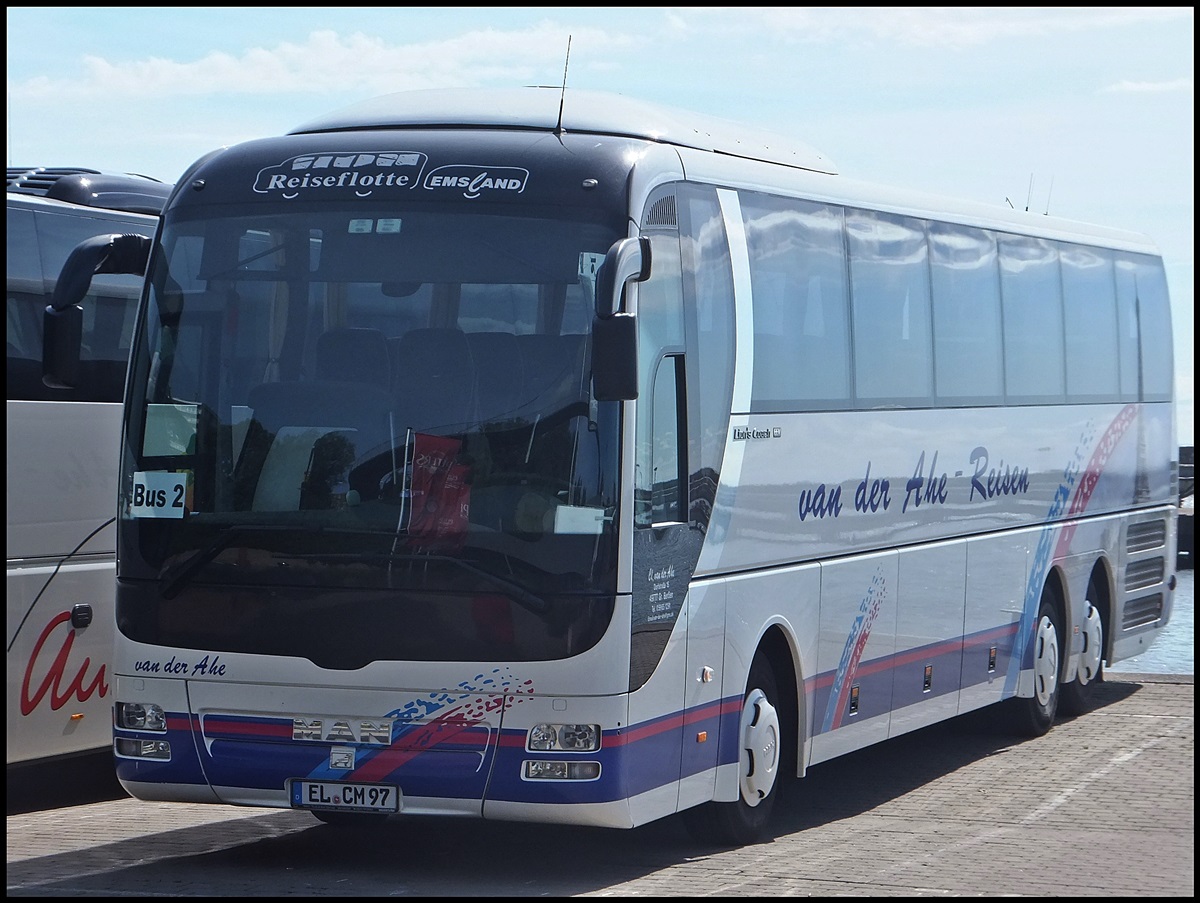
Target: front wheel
[(1077, 695), (1035, 715), (760, 737)]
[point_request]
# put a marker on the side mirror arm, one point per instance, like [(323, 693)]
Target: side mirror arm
[(128, 253), (627, 260)]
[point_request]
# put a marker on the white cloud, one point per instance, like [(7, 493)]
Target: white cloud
[(928, 26), (332, 63)]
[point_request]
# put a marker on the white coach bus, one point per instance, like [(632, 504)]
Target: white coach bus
[(548, 456), (62, 460)]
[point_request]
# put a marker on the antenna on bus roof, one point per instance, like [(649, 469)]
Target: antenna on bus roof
[(563, 97), (1048, 193), (1029, 197)]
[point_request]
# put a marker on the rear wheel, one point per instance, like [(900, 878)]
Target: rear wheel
[(1077, 695), (745, 820), (1035, 715)]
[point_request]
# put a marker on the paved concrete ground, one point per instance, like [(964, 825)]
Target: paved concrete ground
[(1104, 805)]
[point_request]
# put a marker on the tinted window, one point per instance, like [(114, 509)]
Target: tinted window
[(1033, 321), (965, 276), (889, 296), (1142, 297), (1090, 317), (801, 308)]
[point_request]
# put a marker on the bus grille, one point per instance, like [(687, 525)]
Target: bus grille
[(1140, 574), (662, 213), (1148, 535), (1145, 610)]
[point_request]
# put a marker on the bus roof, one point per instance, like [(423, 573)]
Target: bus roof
[(547, 108), (127, 192)]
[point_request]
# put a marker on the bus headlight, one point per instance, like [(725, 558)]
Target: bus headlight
[(563, 738), (141, 716)]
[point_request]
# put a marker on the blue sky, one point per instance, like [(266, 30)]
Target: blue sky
[(1087, 113)]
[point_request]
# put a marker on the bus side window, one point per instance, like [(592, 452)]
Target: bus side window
[(666, 459)]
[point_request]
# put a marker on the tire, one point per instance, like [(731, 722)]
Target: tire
[(1033, 717), (1076, 697), (760, 741)]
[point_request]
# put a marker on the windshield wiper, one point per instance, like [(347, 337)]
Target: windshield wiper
[(180, 575), (245, 261), (528, 600), (177, 577)]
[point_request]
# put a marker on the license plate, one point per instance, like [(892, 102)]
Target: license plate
[(347, 796)]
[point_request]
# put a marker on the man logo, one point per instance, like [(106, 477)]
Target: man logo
[(322, 730)]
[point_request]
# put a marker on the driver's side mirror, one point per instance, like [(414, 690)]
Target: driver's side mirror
[(62, 338), (62, 329)]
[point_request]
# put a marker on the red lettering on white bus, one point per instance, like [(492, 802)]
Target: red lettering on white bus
[(56, 675)]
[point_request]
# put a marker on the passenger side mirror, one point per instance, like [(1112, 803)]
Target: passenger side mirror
[(614, 330), (614, 358)]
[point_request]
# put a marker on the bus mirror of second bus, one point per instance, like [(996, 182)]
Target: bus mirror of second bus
[(62, 335), (614, 330)]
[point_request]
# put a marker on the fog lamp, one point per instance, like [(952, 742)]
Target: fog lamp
[(142, 749), (541, 770)]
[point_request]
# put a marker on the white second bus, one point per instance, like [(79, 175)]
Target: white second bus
[(554, 457), (62, 446)]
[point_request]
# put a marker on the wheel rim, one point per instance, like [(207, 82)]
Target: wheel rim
[(760, 747), (1045, 663), (1093, 645)]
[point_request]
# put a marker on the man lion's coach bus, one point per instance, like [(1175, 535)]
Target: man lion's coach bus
[(548, 456), (62, 460)]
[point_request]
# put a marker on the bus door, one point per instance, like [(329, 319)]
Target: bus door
[(666, 545)]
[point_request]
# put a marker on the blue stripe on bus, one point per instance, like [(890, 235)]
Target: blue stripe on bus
[(244, 751)]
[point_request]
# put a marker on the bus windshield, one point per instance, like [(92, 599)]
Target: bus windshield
[(379, 399)]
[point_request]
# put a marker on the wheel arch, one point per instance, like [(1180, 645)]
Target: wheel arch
[(1102, 582), (780, 651), (1056, 587)]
